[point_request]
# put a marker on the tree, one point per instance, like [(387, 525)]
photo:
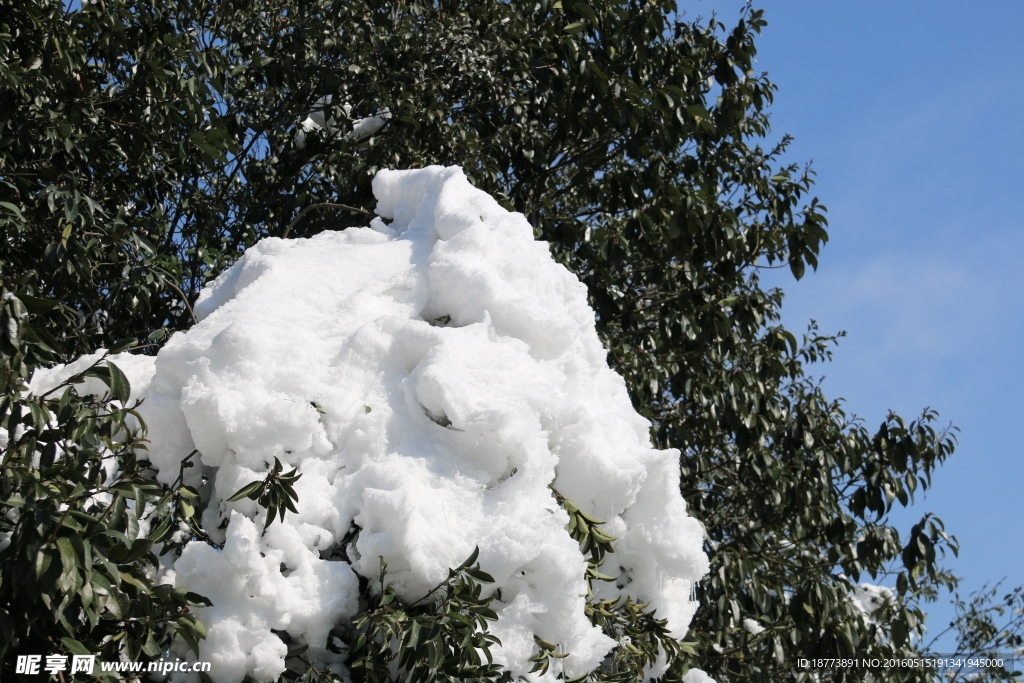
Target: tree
[(144, 145), (77, 535)]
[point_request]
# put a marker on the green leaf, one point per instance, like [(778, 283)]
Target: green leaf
[(471, 559), (199, 600), (296, 651), (140, 547), (248, 491), (272, 511), (121, 346), (68, 558), (75, 647), (199, 628), (479, 575), (36, 305), (435, 654), (13, 209), (586, 10), (698, 111), (185, 633), (43, 559), (119, 385)]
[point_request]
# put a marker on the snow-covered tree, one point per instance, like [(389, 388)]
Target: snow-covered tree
[(144, 146), (437, 387)]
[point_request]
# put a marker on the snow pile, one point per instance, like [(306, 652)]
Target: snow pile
[(430, 377)]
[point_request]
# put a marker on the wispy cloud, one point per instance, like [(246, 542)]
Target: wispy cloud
[(934, 305)]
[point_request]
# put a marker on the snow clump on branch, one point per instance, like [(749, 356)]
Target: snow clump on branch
[(319, 120)]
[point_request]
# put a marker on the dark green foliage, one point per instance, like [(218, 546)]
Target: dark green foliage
[(144, 145), (108, 118), (987, 623), (78, 513), (438, 638), (275, 493), (642, 634)]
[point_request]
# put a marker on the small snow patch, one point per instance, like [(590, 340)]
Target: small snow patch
[(752, 627)]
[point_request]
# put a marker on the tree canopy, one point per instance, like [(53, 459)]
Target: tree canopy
[(144, 145)]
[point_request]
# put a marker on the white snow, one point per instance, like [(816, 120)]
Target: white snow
[(459, 374), (752, 627), (869, 598), (318, 120), (139, 370), (697, 676)]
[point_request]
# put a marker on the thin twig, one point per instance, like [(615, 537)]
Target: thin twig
[(184, 299), (302, 213)]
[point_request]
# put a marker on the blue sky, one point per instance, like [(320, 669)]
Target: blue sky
[(912, 114)]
